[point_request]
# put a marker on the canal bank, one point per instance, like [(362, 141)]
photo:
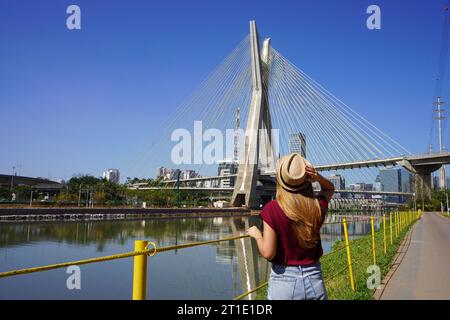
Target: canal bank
[(8, 214)]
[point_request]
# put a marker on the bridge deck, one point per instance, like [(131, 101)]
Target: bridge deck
[(423, 271)]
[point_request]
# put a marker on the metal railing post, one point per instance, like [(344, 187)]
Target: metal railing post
[(396, 224), (384, 233), (140, 271), (390, 225), (349, 256), (374, 255)]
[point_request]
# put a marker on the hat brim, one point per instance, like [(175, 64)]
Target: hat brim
[(283, 183)]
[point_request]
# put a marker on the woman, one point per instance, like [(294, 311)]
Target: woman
[(291, 238)]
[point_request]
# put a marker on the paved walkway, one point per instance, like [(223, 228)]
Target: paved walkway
[(424, 271)]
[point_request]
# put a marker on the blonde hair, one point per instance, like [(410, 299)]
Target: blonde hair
[(303, 209)]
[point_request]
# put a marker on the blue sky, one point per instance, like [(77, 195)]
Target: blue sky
[(86, 100)]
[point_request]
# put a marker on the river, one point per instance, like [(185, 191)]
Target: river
[(217, 271)]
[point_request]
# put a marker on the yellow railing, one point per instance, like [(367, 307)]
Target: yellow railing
[(142, 251)]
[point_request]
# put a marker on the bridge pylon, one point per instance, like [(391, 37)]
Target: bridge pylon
[(258, 153)]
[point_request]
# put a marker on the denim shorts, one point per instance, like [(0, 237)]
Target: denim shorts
[(296, 283)]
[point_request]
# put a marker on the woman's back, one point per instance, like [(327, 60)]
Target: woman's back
[(289, 252), (291, 237)]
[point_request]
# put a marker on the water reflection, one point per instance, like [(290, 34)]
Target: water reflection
[(219, 271)]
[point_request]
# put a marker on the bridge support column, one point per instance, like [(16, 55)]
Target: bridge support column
[(442, 178), (257, 145), (423, 183)]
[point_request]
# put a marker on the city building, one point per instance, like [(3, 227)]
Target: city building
[(43, 186), (160, 172), (297, 143), (188, 174), (225, 168), (163, 173), (406, 181), (362, 186), (112, 175), (434, 181), (396, 180), (338, 181), (339, 184), (378, 186)]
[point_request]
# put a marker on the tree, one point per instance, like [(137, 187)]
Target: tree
[(66, 198)]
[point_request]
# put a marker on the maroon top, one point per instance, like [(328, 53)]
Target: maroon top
[(289, 252)]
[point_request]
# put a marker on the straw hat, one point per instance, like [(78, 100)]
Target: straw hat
[(291, 172)]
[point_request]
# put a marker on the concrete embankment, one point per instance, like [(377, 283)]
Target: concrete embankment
[(7, 214)]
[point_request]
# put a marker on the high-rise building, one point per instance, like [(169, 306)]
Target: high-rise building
[(297, 143), (435, 181), (396, 180), (378, 186), (227, 167), (339, 184), (406, 181), (112, 175), (338, 181), (390, 179)]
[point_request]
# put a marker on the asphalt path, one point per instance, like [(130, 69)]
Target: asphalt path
[(424, 271)]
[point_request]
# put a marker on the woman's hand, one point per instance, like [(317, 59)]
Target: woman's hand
[(311, 173), (326, 187), (254, 233)]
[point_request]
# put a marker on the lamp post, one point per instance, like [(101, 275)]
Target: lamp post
[(12, 177), (79, 197), (31, 198), (178, 188)]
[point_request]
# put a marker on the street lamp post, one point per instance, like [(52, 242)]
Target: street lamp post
[(12, 177), (178, 189), (31, 198), (79, 197)]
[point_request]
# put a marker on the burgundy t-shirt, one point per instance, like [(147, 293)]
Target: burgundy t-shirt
[(289, 252)]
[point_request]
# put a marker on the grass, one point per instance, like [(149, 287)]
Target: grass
[(445, 214), (335, 266)]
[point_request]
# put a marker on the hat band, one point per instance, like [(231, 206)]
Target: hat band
[(296, 187)]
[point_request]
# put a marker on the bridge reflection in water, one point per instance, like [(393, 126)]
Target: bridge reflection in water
[(219, 271)]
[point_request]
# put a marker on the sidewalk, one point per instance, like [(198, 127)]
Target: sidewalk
[(424, 271)]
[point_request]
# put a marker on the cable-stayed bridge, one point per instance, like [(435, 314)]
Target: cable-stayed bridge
[(284, 110)]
